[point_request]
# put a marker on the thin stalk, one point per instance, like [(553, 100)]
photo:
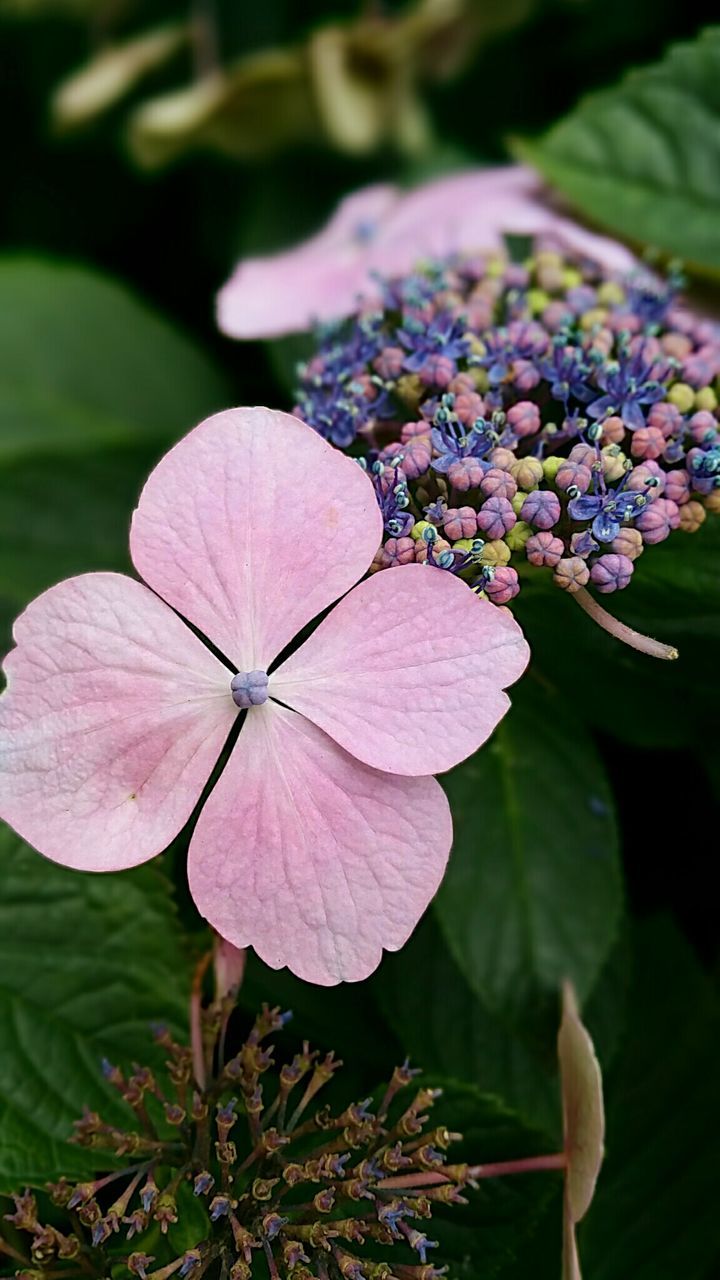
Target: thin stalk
[(636, 640)]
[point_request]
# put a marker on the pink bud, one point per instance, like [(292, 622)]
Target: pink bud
[(465, 474), (677, 486), (628, 543), (417, 455), (389, 363), (611, 572), (584, 454), (544, 549), (460, 522), (502, 459), (573, 473), (571, 574), (415, 430), (395, 551), (692, 515), (469, 406), (437, 371), (613, 430), (703, 427), (647, 442), (498, 484), (496, 517), (667, 417), (503, 586), (524, 418)]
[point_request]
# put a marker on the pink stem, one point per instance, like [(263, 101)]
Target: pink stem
[(636, 640), (530, 1164), (196, 1036)]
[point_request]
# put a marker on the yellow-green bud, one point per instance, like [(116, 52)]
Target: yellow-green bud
[(496, 552), (595, 316), (419, 528), (571, 278), (551, 466), (537, 300), (706, 399), (518, 535), (527, 473), (682, 396), (611, 294)]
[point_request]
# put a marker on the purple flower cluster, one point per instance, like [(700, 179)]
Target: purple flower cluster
[(543, 414)]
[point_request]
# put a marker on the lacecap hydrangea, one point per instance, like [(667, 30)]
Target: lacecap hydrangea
[(543, 414)]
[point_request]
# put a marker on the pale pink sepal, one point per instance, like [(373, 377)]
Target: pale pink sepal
[(314, 859), (408, 671), (250, 527), (113, 718), (328, 276), (314, 282)]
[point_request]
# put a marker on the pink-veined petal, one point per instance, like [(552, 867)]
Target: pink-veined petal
[(408, 671), (112, 720), (251, 526), (315, 281), (315, 860)]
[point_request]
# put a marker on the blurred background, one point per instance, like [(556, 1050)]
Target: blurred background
[(154, 144)]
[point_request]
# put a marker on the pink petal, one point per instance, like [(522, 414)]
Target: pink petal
[(315, 860), (315, 281), (407, 672), (251, 526), (470, 212), (112, 720)]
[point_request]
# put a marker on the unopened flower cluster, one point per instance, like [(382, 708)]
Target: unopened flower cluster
[(542, 414), (303, 1191)]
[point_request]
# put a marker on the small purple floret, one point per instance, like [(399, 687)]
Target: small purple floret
[(249, 689)]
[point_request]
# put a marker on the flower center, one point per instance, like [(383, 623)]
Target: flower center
[(249, 688)]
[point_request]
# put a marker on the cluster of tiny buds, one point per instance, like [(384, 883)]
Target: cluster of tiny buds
[(291, 1189), (524, 417)]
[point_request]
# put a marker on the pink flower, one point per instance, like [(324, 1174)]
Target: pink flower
[(325, 836), (382, 230)]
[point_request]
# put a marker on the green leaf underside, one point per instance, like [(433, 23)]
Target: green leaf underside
[(655, 1212), (87, 962), (643, 158), (84, 364), (533, 891)]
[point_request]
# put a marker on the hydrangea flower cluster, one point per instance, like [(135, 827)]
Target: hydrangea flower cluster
[(291, 1190), (547, 414)]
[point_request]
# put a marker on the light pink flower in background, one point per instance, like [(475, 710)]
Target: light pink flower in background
[(324, 838), (384, 230)]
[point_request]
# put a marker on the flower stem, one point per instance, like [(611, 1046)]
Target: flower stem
[(530, 1164), (196, 1035), (636, 640)]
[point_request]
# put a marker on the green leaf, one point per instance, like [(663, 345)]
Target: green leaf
[(643, 158), (533, 891), (60, 516), (445, 1028), (84, 364), (655, 1212), (675, 597), (86, 963), (93, 388), (484, 1238)]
